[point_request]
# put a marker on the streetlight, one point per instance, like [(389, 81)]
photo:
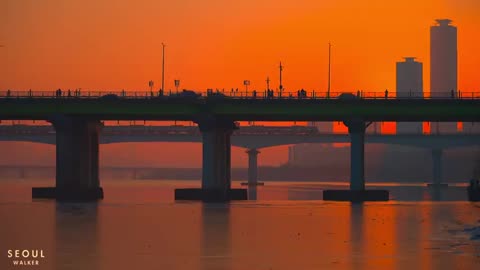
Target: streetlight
[(150, 84), (329, 67), (246, 83), (177, 84), (280, 69), (163, 66)]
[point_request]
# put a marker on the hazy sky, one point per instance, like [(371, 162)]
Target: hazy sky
[(116, 44)]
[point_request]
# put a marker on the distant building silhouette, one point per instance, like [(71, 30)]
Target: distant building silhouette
[(471, 127), (323, 127), (443, 67), (409, 84), (295, 152)]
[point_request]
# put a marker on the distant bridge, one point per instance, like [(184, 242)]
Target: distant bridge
[(251, 137)]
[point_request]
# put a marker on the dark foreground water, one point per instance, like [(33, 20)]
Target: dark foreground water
[(139, 226)]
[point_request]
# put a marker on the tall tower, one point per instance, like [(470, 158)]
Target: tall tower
[(409, 84), (443, 66)]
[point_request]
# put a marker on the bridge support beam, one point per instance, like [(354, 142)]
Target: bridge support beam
[(437, 168), (216, 163), (357, 192), (77, 161), (253, 168)]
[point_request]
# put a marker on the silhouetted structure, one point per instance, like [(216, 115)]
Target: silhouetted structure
[(409, 83), (77, 123), (443, 66)]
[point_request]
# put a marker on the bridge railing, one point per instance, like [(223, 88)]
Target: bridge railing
[(300, 94)]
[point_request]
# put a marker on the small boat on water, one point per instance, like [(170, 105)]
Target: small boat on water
[(474, 190)]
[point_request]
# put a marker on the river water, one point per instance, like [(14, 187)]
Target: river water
[(139, 226)]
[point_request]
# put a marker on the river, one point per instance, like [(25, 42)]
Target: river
[(286, 226)]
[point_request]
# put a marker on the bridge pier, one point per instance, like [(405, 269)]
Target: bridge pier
[(253, 168), (77, 161), (437, 168), (357, 192), (216, 163)]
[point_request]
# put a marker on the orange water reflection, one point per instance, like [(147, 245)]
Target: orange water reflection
[(281, 230)]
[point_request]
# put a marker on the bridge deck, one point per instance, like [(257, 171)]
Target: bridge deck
[(245, 109)]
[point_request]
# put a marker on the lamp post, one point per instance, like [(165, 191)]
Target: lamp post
[(177, 84), (163, 66), (329, 64), (246, 83), (281, 86), (150, 84)]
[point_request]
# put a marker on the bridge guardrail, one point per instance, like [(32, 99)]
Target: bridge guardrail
[(239, 94)]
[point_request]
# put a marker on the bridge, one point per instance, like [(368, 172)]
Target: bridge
[(76, 120), (253, 138)]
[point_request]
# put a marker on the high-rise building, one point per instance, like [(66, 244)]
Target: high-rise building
[(409, 85), (443, 67)]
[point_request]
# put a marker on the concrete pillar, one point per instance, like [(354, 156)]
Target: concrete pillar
[(252, 166), (252, 192), (216, 160), (77, 160), (357, 192), (77, 153), (357, 155), (228, 159), (216, 163), (437, 166)]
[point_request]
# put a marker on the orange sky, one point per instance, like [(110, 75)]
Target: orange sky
[(116, 44), (218, 44)]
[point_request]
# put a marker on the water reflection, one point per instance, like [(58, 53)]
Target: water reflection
[(216, 237), (77, 236), (148, 231), (356, 234)]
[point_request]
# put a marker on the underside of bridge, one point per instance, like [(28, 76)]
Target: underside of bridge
[(77, 163)]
